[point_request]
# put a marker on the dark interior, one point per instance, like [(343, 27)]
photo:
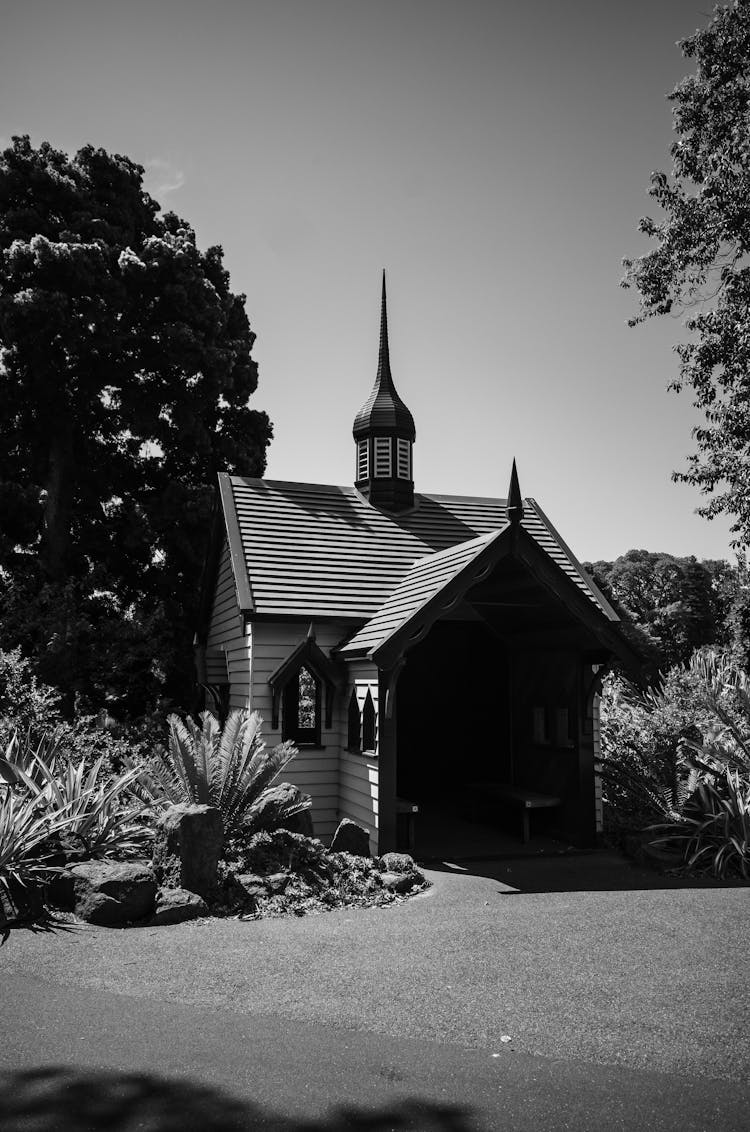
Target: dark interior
[(494, 698), (452, 712)]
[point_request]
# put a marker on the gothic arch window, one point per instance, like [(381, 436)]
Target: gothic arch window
[(300, 708), (302, 691), (354, 723), (368, 723)]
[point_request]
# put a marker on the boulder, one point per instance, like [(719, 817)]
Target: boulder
[(59, 891), (175, 905), (20, 905), (254, 886), (113, 893), (401, 882), (282, 851), (397, 863), (351, 838), (273, 801), (277, 882), (188, 846)]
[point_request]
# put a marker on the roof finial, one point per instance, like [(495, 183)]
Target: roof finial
[(384, 360), (515, 502)]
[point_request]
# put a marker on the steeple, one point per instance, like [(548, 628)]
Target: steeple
[(384, 433), (515, 502)]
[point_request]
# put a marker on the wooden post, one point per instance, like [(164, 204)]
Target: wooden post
[(387, 760), (586, 807)]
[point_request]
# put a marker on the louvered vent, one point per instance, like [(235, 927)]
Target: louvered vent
[(404, 459), (382, 457), (363, 459)]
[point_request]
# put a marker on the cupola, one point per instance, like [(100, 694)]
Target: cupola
[(383, 435)]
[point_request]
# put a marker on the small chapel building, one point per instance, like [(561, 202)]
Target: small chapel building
[(418, 649)]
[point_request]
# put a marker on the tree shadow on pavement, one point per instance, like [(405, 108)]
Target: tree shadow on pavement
[(64, 1099), (574, 872)]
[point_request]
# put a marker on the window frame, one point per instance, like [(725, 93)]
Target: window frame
[(369, 728), (290, 696)]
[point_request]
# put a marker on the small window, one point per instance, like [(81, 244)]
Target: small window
[(562, 727), (404, 459), (539, 725), (301, 709), (368, 723), (382, 457), (354, 730), (363, 459)]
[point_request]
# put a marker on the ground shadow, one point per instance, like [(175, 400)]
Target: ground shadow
[(63, 1099), (573, 872)]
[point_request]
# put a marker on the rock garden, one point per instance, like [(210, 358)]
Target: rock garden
[(199, 828)]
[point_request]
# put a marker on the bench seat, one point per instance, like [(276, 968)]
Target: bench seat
[(480, 794)]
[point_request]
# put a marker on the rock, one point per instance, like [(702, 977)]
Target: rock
[(59, 891), (265, 813), (351, 838), (401, 882), (113, 893), (277, 882), (253, 885), (397, 863), (20, 905), (188, 846), (175, 905), (282, 851)]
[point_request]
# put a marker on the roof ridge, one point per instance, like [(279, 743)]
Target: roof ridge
[(605, 605)]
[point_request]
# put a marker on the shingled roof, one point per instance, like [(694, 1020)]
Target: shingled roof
[(314, 551)]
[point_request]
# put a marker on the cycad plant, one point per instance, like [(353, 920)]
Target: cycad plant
[(228, 767)]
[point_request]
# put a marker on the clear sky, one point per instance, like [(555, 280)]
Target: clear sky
[(492, 155)]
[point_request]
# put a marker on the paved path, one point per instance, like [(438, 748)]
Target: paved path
[(627, 1008)]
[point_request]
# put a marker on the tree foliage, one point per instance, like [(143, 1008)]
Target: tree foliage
[(679, 604), (126, 371), (700, 263)]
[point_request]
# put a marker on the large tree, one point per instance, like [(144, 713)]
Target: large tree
[(678, 604), (700, 263), (126, 372)]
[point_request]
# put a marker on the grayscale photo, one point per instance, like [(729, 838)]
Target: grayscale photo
[(374, 577)]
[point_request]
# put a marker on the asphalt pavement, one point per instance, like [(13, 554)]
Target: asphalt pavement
[(577, 994)]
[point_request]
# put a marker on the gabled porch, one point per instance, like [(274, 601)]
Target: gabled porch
[(490, 656)]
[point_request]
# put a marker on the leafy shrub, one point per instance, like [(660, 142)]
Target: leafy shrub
[(316, 880), (677, 762), (228, 767), (713, 832), (645, 776), (27, 830), (88, 811), (26, 705)]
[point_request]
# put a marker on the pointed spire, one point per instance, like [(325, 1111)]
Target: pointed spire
[(384, 377), (311, 632), (515, 502), (384, 413)]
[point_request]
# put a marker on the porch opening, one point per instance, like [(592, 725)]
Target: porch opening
[(474, 718)]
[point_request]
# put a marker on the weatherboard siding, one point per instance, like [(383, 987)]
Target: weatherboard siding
[(313, 770), (228, 647), (358, 797), (358, 772)]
